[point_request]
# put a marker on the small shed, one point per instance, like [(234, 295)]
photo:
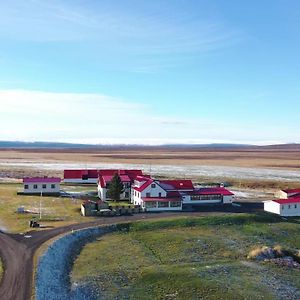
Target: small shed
[(284, 207)]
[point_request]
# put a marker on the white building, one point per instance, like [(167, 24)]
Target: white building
[(163, 195), (103, 185), (200, 196), (41, 185), (284, 207), (284, 194), (151, 196)]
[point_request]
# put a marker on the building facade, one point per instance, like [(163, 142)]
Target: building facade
[(284, 207), (41, 185)]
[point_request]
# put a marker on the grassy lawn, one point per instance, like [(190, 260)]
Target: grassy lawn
[(188, 259), (56, 211)]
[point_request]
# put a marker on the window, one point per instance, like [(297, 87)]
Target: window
[(175, 203), (289, 206), (159, 195), (52, 186), (85, 177), (126, 195), (35, 186), (206, 197), (148, 195), (26, 186), (282, 207), (163, 204), (295, 205), (151, 204), (153, 185), (44, 186)]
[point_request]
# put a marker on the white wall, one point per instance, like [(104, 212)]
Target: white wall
[(103, 191), (39, 189), (290, 210), (156, 208), (273, 207), (187, 200), (281, 195), (154, 192), (285, 210)]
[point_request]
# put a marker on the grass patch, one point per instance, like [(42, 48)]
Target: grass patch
[(56, 211), (191, 258)]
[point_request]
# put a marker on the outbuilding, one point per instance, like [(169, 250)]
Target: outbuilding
[(41, 185), (284, 207)]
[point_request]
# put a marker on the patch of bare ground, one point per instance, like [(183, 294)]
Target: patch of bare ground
[(269, 157)]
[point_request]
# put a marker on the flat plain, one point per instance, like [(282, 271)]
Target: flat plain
[(281, 157)]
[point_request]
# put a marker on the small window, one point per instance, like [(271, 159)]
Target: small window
[(44, 186), (289, 206), (159, 195), (35, 186), (148, 195), (52, 186), (282, 207), (153, 185), (295, 205), (26, 186)]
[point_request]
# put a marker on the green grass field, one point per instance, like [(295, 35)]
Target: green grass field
[(198, 258), (56, 211)]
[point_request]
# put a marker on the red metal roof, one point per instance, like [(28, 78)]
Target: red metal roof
[(94, 173), (147, 199), (211, 191), (291, 191), (105, 179), (176, 184), (143, 186), (288, 201), (173, 194), (41, 179)]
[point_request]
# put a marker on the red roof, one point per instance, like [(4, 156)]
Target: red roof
[(41, 179), (94, 173), (211, 191), (173, 194), (147, 199), (291, 191), (288, 201), (103, 180), (176, 184), (143, 186)]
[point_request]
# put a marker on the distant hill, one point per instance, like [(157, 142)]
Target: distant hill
[(57, 145)]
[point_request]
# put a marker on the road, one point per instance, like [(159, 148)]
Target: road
[(17, 250)]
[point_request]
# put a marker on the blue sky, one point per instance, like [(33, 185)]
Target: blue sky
[(150, 72)]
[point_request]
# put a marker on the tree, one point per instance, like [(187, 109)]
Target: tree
[(115, 188)]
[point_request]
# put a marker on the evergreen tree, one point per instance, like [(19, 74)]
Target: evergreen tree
[(115, 188)]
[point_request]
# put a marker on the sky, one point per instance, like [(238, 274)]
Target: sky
[(150, 72)]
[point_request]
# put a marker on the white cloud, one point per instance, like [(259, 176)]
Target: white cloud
[(94, 118)]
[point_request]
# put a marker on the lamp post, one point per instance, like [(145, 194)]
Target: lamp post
[(41, 205)]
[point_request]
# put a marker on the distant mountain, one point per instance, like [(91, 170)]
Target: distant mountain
[(57, 145)]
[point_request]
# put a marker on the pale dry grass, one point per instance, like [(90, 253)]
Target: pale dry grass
[(56, 211), (282, 159)]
